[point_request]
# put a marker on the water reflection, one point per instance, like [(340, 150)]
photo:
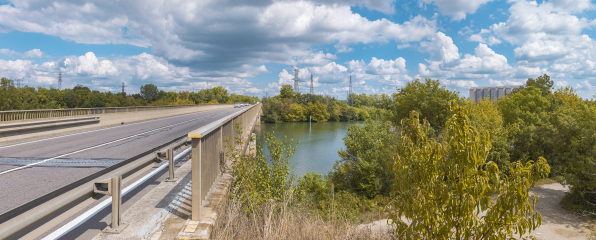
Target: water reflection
[(319, 143)]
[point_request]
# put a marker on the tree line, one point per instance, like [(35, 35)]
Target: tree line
[(291, 106), (26, 98)]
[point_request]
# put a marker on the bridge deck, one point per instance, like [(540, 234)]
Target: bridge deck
[(70, 158)]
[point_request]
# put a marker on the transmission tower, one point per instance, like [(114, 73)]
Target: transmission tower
[(123, 87), (60, 80), (296, 79), (19, 82), (350, 101), (312, 88)]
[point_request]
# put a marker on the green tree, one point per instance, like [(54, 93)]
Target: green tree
[(429, 99), (485, 116), (364, 162), (449, 191), (286, 91), (318, 112), (542, 82), (296, 113), (149, 92)]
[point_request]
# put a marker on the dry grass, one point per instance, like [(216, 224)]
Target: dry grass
[(283, 220)]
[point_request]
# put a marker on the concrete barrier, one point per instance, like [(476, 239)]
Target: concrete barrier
[(37, 125)]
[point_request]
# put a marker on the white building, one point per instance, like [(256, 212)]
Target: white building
[(496, 92)]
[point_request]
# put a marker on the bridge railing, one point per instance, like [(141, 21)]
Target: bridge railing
[(20, 115), (208, 148)]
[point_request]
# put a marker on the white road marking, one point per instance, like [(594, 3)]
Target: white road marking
[(18, 144), (96, 146)]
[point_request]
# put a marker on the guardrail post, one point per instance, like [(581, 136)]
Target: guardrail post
[(170, 156), (196, 179), (112, 187)]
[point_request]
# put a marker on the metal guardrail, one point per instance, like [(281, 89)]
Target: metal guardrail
[(208, 146), (14, 127), (19, 115), (42, 214)]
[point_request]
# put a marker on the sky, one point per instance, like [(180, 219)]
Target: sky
[(251, 47)]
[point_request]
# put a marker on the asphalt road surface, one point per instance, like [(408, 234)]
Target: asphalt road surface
[(72, 157)]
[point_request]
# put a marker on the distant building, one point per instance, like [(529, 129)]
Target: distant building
[(497, 92)]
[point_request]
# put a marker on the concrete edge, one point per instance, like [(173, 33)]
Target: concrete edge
[(216, 198)]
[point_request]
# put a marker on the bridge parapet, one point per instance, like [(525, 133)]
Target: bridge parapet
[(23, 115), (208, 150)]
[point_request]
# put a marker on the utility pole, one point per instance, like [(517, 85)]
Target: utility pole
[(60, 80), (123, 88), (296, 80), (312, 89), (350, 100)]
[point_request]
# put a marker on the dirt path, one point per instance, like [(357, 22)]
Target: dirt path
[(557, 223)]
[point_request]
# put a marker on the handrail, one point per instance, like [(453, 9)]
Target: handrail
[(208, 149), (19, 115)]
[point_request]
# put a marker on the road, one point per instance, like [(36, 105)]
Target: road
[(31, 169)]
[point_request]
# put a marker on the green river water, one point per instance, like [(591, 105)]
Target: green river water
[(318, 145)]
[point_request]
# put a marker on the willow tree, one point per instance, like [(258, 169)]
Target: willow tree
[(448, 190)]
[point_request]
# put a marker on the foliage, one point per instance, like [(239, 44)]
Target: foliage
[(429, 99), (442, 188), (297, 113), (27, 98), (317, 111), (293, 106), (262, 177), (486, 117), (363, 165)]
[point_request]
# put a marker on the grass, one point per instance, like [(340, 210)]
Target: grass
[(548, 181), (285, 220)]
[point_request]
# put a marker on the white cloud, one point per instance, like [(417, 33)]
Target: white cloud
[(457, 9), (34, 53), (8, 52), (216, 35)]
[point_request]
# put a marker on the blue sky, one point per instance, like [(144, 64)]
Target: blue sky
[(250, 47)]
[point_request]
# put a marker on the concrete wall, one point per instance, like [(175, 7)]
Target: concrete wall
[(494, 93)]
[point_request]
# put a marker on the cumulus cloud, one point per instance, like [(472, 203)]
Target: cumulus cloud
[(34, 53), (216, 35), (457, 9)]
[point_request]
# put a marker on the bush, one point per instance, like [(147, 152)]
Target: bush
[(447, 190)]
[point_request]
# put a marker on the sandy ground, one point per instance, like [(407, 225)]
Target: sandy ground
[(557, 223)]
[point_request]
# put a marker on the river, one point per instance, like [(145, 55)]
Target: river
[(318, 145)]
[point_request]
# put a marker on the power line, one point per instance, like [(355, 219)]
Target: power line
[(296, 79), (60, 80), (312, 89)]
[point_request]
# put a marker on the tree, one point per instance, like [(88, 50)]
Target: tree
[(149, 92), (429, 99), (542, 82), (296, 113), (485, 116), (447, 190), (318, 112), (363, 165), (286, 91)]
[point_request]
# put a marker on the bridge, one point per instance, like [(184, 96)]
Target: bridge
[(59, 169)]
